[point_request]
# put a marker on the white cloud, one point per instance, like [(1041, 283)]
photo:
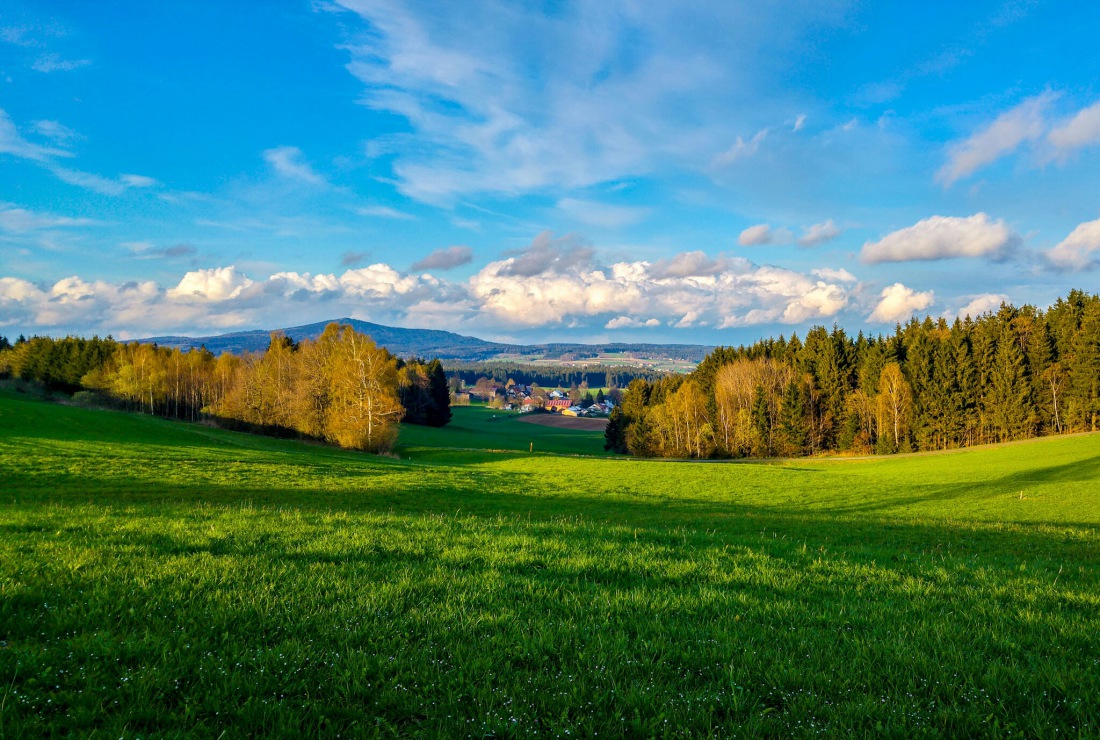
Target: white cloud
[(288, 161), (55, 63), (11, 142), (738, 294), (979, 305), (837, 275), (595, 213), (14, 143), (385, 212), (819, 233), (382, 281), (742, 149), (897, 303), (57, 132), (138, 181), (944, 237), (689, 264), (1080, 131), (88, 181), (20, 220), (1008, 131), (508, 98), (1080, 250), (547, 254), (215, 284), (73, 303), (799, 122), (626, 322)]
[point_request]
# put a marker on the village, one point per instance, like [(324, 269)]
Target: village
[(577, 401)]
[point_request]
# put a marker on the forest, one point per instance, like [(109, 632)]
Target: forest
[(1007, 375), (340, 387)]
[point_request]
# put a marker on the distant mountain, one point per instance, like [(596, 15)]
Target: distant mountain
[(431, 343)]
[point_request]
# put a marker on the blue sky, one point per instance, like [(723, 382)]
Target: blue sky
[(638, 171)]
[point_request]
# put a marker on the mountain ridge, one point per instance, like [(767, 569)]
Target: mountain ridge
[(439, 343)]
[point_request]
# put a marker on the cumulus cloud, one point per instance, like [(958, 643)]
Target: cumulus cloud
[(688, 264), (1025, 122), (979, 305), (627, 322), (445, 259), (595, 213), (897, 303), (1080, 131), (689, 290), (1080, 250), (741, 294), (547, 254), (838, 275), (819, 233), (215, 284), (289, 162), (75, 303), (944, 237)]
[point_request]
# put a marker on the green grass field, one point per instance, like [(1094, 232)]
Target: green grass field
[(164, 580)]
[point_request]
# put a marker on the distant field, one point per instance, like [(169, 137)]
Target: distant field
[(162, 579), (572, 423), (482, 428)]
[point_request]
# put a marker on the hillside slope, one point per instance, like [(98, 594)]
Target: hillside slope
[(169, 579), (429, 343)]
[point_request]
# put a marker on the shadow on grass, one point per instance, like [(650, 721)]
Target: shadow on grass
[(505, 498), (1078, 471)]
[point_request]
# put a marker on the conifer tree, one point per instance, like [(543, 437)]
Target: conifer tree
[(792, 418), (1010, 390)]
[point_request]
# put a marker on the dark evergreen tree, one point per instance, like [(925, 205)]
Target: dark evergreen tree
[(614, 434), (1010, 390), (1083, 398), (439, 410), (792, 420)]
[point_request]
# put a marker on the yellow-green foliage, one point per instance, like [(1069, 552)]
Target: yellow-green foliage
[(163, 579)]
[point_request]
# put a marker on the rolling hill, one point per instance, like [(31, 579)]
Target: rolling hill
[(431, 343)]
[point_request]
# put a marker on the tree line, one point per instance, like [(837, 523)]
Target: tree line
[(932, 385), (593, 376), (340, 387)]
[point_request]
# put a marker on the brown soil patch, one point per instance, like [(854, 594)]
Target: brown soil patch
[(566, 422)]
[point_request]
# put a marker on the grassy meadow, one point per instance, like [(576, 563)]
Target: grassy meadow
[(164, 579)]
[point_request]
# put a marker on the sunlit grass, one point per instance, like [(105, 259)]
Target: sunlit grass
[(167, 579)]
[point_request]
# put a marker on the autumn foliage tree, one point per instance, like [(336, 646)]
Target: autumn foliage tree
[(340, 387)]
